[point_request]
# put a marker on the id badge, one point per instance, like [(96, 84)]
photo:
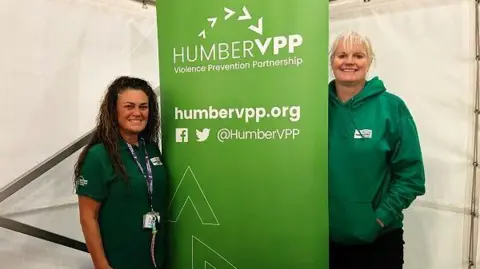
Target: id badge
[(150, 219)]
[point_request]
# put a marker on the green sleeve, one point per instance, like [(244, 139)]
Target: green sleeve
[(408, 175), (92, 181)]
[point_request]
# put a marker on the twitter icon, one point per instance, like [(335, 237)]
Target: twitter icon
[(202, 135)]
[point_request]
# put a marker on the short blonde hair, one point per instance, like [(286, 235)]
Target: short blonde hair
[(351, 38)]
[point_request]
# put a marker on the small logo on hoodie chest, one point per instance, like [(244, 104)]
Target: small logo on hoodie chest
[(364, 133)]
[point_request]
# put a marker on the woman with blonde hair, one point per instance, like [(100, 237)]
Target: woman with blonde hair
[(375, 162)]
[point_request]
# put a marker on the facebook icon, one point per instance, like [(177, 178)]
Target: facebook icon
[(181, 135)]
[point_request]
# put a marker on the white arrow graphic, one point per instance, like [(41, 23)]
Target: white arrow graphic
[(199, 247), (189, 192), (212, 21), (257, 28), (229, 13), (202, 34), (246, 15)]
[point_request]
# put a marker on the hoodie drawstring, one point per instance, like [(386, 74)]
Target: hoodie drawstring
[(350, 114)]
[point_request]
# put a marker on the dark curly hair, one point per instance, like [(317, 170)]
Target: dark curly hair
[(107, 129)]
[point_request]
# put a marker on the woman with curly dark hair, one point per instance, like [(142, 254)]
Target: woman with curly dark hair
[(121, 181)]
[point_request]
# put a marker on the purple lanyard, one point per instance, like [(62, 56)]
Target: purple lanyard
[(149, 175)]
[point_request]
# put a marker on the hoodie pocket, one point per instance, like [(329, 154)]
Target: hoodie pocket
[(353, 222)]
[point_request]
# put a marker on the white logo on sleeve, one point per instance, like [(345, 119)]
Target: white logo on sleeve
[(81, 181), (365, 133)]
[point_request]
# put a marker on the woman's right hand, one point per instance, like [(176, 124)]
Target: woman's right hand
[(89, 209)]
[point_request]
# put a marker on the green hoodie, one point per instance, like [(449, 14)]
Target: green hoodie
[(374, 173)]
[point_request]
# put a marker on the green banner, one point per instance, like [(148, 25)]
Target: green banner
[(244, 111)]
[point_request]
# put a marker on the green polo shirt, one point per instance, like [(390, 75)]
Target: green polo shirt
[(126, 243)]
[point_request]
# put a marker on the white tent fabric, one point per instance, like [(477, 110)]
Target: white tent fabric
[(57, 58), (61, 55)]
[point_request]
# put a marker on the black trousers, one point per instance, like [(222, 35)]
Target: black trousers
[(384, 253)]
